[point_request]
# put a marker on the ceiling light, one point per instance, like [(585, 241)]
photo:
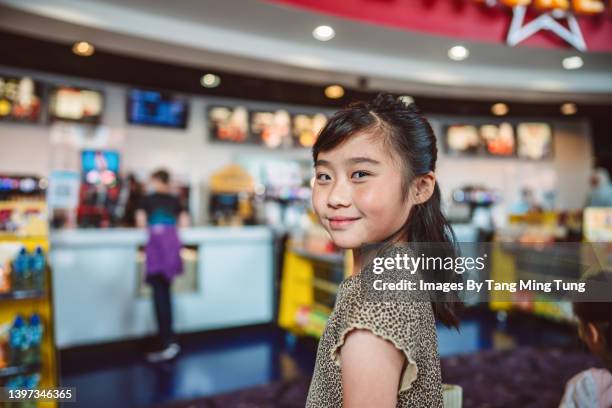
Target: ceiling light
[(334, 92), (406, 99), (83, 49), (569, 108), (458, 53), (323, 33), (574, 62), (210, 81), (500, 109)]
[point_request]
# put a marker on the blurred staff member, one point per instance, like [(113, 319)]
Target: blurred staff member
[(162, 212), (601, 190), (527, 203)]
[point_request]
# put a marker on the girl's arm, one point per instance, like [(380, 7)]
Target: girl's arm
[(371, 369), (141, 218), (184, 220)]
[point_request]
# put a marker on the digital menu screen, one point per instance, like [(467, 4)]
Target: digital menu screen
[(100, 167), (152, 108), (534, 141), (306, 128), (272, 129), (498, 139), (76, 104), (462, 140), (229, 124), (20, 99)]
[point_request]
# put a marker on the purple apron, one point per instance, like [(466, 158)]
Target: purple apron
[(163, 252)]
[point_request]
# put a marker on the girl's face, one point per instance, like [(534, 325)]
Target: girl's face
[(357, 192)]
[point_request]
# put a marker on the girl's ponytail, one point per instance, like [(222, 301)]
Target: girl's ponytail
[(428, 229)]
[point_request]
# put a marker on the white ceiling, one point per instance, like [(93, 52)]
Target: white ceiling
[(252, 36)]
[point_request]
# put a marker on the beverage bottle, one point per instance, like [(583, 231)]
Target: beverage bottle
[(14, 383), (17, 341), (30, 382), (38, 263), (20, 267), (35, 338)]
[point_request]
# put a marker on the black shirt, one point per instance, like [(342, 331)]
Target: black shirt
[(161, 208)]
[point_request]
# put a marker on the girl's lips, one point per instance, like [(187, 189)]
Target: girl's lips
[(339, 222)]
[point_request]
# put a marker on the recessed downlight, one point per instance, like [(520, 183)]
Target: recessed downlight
[(83, 49), (500, 109), (458, 53), (569, 109), (324, 33), (334, 92), (210, 81), (571, 63)]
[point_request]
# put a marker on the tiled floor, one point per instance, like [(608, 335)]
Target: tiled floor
[(220, 363)]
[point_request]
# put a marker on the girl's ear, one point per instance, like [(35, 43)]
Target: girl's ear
[(590, 334), (424, 187), (593, 333)]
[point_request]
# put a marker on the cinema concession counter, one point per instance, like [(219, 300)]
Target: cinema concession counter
[(99, 295)]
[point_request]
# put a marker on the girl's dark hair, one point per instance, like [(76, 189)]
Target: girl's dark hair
[(162, 175), (598, 313), (407, 133)]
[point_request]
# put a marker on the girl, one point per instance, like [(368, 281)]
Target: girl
[(375, 183), (592, 388)]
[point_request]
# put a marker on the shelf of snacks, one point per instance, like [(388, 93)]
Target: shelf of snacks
[(541, 246), (312, 270), (27, 350)]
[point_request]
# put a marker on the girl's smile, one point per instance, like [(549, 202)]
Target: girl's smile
[(338, 222)]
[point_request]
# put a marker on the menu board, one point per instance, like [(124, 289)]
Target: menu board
[(153, 108), (498, 139), (534, 141), (76, 104), (20, 99), (462, 140), (523, 140), (229, 124), (306, 128), (272, 129)]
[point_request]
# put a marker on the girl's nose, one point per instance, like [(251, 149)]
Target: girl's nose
[(339, 196)]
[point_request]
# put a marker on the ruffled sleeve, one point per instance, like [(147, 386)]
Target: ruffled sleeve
[(396, 322)]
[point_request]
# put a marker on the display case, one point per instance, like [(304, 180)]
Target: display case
[(27, 350), (541, 246), (309, 285)]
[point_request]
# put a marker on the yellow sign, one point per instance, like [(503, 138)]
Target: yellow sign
[(231, 179)]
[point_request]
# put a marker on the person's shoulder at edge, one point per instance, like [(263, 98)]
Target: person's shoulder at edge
[(589, 388)]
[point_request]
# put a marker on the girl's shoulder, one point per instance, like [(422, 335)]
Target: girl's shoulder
[(397, 316), (592, 387)]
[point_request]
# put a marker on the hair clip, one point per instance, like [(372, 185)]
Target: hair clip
[(408, 102)]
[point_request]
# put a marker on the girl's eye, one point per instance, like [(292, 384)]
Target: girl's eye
[(323, 177), (360, 174)]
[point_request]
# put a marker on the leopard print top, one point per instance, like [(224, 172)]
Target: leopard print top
[(409, 325)]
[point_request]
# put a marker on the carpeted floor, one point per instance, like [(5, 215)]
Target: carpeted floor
[(524, 377)]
